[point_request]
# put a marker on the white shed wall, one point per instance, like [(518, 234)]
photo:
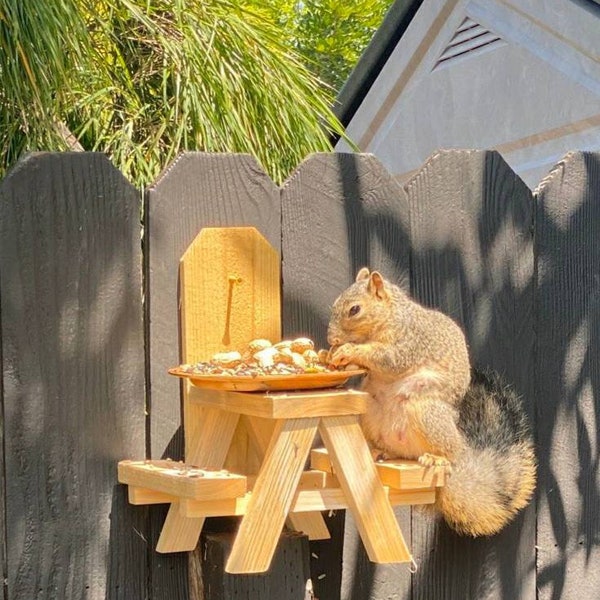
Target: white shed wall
[(511, 96)]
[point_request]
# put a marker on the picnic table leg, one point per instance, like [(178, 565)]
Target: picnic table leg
[(272, 496), (366, 496), (206, 448), (311, 523)]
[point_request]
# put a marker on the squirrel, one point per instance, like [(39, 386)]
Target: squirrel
[(427, 403)]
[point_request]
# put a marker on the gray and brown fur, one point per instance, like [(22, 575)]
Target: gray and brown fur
[(424, 405)]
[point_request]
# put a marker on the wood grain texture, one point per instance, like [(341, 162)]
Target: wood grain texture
[(208, 437), (339, 212), (287, 577), (198, 190), (181, 480), (260, 432), (272, 496), (283, 405), (310, 523), (305, 500), (568, 377), (179, 533), (229, 292), (472, 257), (73, 380), (364, 492), (142, 496), (398, 474)]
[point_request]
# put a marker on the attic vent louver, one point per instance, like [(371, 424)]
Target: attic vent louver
[(469, 40)]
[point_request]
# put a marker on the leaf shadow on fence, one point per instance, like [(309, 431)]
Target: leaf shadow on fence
[(568, 377), (73, 393), (475, 262), (450, 269)]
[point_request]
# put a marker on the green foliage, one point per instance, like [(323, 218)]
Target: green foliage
[(142, 80), (330, 34), (36, 59)]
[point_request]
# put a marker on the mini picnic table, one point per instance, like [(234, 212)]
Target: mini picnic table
[(246, 452)]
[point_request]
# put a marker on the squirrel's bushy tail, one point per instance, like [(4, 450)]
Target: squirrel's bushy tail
[(495, 476)]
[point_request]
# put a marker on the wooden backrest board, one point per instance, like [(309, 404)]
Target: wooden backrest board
[(229, 292)]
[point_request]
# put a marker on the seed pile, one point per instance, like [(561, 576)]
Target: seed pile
[(182, 469), (261, 357)]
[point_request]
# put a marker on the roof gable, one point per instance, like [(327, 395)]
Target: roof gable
[(456, 55)]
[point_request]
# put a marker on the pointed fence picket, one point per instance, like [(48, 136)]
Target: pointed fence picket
[(89, 309)]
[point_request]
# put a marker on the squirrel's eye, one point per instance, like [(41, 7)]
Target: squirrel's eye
[(354, 310)]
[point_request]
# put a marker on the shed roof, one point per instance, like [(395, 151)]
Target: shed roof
[(374, 57), (518, 76), (379, 49)]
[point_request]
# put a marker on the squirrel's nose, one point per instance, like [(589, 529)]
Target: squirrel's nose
[(332, 339)]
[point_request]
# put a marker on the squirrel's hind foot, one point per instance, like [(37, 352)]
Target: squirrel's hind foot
[(433, 460), (379, 455)]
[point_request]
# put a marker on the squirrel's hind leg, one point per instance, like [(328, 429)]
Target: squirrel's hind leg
[(435, 423)]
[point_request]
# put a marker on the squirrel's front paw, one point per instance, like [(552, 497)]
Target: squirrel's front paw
[(433, 460), (344, 355)]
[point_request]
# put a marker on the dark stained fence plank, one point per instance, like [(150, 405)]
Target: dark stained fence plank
[(73, 378), (287, 578), (198, 190), (568, 377), (472, 257), (341, 212)]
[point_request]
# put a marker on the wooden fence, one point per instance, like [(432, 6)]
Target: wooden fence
[(88, 301)]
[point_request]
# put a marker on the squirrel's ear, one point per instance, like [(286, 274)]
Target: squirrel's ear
[(377, 285), (362, 274)]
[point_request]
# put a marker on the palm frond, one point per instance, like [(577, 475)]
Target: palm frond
[(142, 80)]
